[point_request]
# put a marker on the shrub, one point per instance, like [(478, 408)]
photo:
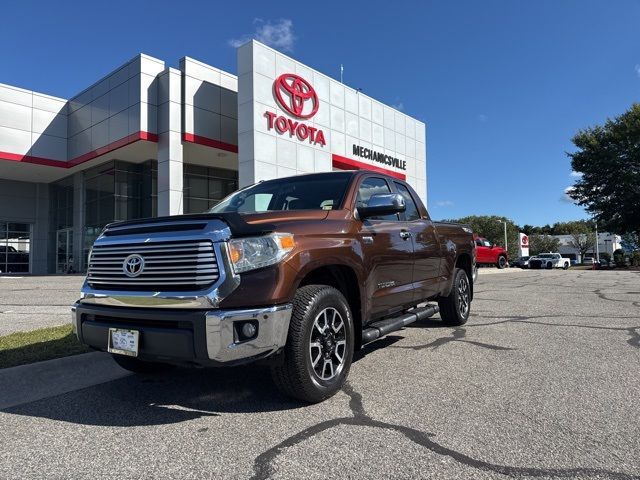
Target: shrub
[(618, 257)]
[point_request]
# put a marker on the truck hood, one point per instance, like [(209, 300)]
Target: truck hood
[(240, 225)]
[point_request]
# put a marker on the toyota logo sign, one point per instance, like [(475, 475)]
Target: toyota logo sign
[(525, 241), (133, 265), (301, 100)]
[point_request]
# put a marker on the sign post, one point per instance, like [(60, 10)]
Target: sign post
[(523, 249)]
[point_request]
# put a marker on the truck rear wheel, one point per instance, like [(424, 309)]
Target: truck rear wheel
[(319, 349), (455, 308), (136, 365)]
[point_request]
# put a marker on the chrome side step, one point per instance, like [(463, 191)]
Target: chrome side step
[(383, 327)]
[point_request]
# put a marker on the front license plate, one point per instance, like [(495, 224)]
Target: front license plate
[(123, 342)]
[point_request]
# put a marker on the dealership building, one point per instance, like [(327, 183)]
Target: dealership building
[(151, 140)]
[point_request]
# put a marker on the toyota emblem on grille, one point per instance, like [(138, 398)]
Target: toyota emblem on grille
[(133, 265)]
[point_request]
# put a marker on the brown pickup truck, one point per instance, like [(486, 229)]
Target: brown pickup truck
[(296, 272)]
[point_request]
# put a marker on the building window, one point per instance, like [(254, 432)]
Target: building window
[(62, 204), (15, 247), (206, 186), (116, 191)]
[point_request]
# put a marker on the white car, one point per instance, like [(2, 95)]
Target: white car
[(549, 260)]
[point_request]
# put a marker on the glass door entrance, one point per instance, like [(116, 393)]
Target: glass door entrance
[(64, 249)]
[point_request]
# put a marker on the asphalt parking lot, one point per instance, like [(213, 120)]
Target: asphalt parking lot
[(28, 303), (541, 383)]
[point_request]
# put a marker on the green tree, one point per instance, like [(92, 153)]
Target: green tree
[(543, 243), (630, 242), (608, 157), (582, 234), (569, 228)]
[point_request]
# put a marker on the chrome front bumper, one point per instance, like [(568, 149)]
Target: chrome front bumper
[(222, 344), (205, 337)]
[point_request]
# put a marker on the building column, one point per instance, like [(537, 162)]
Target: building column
[(170, 180), (78, 222), (39, 250)]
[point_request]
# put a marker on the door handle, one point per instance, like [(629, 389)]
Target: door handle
[(404, 234)]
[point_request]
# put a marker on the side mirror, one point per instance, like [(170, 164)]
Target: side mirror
[(382, 204)]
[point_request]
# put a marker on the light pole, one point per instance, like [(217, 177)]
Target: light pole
[(597, 248), (506, 245)]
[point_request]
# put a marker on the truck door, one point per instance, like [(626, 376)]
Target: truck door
[(483, 251), (426, 247), (387, 252)]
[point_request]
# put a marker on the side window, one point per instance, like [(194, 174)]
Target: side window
[(373, 186), (411, 213)]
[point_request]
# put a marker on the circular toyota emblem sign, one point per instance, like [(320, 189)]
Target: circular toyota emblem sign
[(525, 240), (133, 265), (296, 95)]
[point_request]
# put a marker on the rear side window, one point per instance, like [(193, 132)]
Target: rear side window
[(373, 186), (411, 213)]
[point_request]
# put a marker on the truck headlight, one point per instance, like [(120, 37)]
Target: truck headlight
[(258, 252)]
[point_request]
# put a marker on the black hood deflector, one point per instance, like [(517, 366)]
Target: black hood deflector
[(238, 226)]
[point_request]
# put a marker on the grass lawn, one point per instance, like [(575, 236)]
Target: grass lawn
[(27, 347)]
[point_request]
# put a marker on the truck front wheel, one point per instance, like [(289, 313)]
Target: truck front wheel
[(502, 262), (455, 307), (319, 349)]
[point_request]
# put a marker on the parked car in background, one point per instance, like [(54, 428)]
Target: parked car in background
[(490, 254), (17, 261), (549, 260), (520, 262)]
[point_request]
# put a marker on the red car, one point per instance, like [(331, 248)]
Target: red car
[(490, 254)]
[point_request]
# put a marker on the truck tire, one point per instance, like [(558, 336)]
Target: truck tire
[(549, 265), (136, 365), (455, 308), (319, 349), (502, 262), (565, 266)]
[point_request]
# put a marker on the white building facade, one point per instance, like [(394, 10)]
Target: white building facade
[(149, 140), (607, 243)]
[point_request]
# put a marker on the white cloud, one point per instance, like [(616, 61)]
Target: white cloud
[(565, 198), (398, 106), (445, 203), (575, 174), (278, 34), (483, 118), (637, 69)]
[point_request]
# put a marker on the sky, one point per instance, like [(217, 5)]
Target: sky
[(502, 85)]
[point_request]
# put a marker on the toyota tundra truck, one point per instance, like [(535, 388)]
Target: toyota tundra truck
[(297, 273)]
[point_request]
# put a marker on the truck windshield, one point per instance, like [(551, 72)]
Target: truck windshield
[(324, 191)]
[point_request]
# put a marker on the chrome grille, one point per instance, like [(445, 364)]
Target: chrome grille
[(177, 265)]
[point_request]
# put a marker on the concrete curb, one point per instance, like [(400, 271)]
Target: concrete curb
[(498, 271), (28, 383)]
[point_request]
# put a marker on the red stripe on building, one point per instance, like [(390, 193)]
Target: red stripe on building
[(49, 162), (209, 142), (345, 163)]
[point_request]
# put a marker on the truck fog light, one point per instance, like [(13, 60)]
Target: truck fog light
[(248, 330), (245, 330)]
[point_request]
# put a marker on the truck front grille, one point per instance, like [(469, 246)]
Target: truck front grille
[(167, 266)]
